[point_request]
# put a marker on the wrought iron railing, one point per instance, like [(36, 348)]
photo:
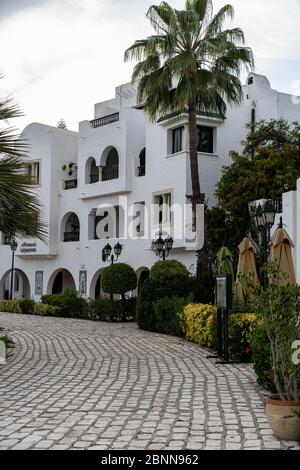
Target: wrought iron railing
[(103, 121), (71, 184), (71, 236), (110, 174)]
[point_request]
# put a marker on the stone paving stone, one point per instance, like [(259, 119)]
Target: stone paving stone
[(74, 384)]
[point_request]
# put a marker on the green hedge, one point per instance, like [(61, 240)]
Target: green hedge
[(69, 304), (112, 310), (167, 315)]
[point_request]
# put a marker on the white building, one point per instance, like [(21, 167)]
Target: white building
[(120, 159)]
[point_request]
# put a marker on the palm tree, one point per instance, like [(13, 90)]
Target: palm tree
[(191, 64), (19, 207)]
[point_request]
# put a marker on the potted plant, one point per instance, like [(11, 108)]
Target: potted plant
[(279, 308)]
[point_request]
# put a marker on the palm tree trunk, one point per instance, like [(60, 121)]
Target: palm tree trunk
[(197, 197), (204, 275)]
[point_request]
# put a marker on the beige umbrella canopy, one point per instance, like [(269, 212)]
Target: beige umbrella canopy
[(281, 255), (246, 268)]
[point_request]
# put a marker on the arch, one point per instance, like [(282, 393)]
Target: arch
[(109, 163), (95, 287), (142, 162), (91, 171), (143, 274), (60, 280), (70, 228), (21, 285)]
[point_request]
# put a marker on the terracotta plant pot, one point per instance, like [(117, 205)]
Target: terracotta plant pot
[(281, 415)]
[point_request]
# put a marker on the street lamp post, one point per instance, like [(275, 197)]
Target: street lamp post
[(107, 254), (162, 247), (13, 247), (263, 218)]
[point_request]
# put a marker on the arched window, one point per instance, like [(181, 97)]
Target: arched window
[(91, 171), (71, 228), (110, 170), (142, 163)]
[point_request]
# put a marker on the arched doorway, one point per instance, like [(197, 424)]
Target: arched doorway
[(143, 275), (21, 285), (95, 286), (60, 280)]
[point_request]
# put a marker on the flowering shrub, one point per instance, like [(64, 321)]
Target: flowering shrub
[(241, 329), (199, 325)]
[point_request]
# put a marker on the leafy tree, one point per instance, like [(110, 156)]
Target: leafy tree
[(268, 166), (19, 207), (118, 279), (61, 124), (192, 64)]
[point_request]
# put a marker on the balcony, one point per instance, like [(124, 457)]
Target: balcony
[(110, 174), (141, 170), (104, 121), (71, 236), (71, 184)]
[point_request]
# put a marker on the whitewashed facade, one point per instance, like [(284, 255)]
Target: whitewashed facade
[(121, 159)]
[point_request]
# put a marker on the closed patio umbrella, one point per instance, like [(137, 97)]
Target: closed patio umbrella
[(281, 254), (246, 268), (225, 261)]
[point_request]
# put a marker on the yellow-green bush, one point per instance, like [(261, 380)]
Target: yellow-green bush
[(199, 324), (45, 310), (10, 306)]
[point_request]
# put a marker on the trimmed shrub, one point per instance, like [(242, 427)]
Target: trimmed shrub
[(199, 323), (241, 329), (69, 303), (168, 278), (27, 306), (10, 306), (168, 267), (112, 310), (45, 310), (261, 358), (118, 279), (167, 315)]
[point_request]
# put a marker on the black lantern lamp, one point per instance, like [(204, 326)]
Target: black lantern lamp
[(107, 253), (162, 247), (263, 218), (118, 250)]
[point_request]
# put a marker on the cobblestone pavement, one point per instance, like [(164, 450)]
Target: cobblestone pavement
[(84, 385)]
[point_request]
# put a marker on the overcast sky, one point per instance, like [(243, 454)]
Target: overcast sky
[(60, 57)]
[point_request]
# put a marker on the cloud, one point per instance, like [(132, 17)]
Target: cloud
[(62, 56)]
